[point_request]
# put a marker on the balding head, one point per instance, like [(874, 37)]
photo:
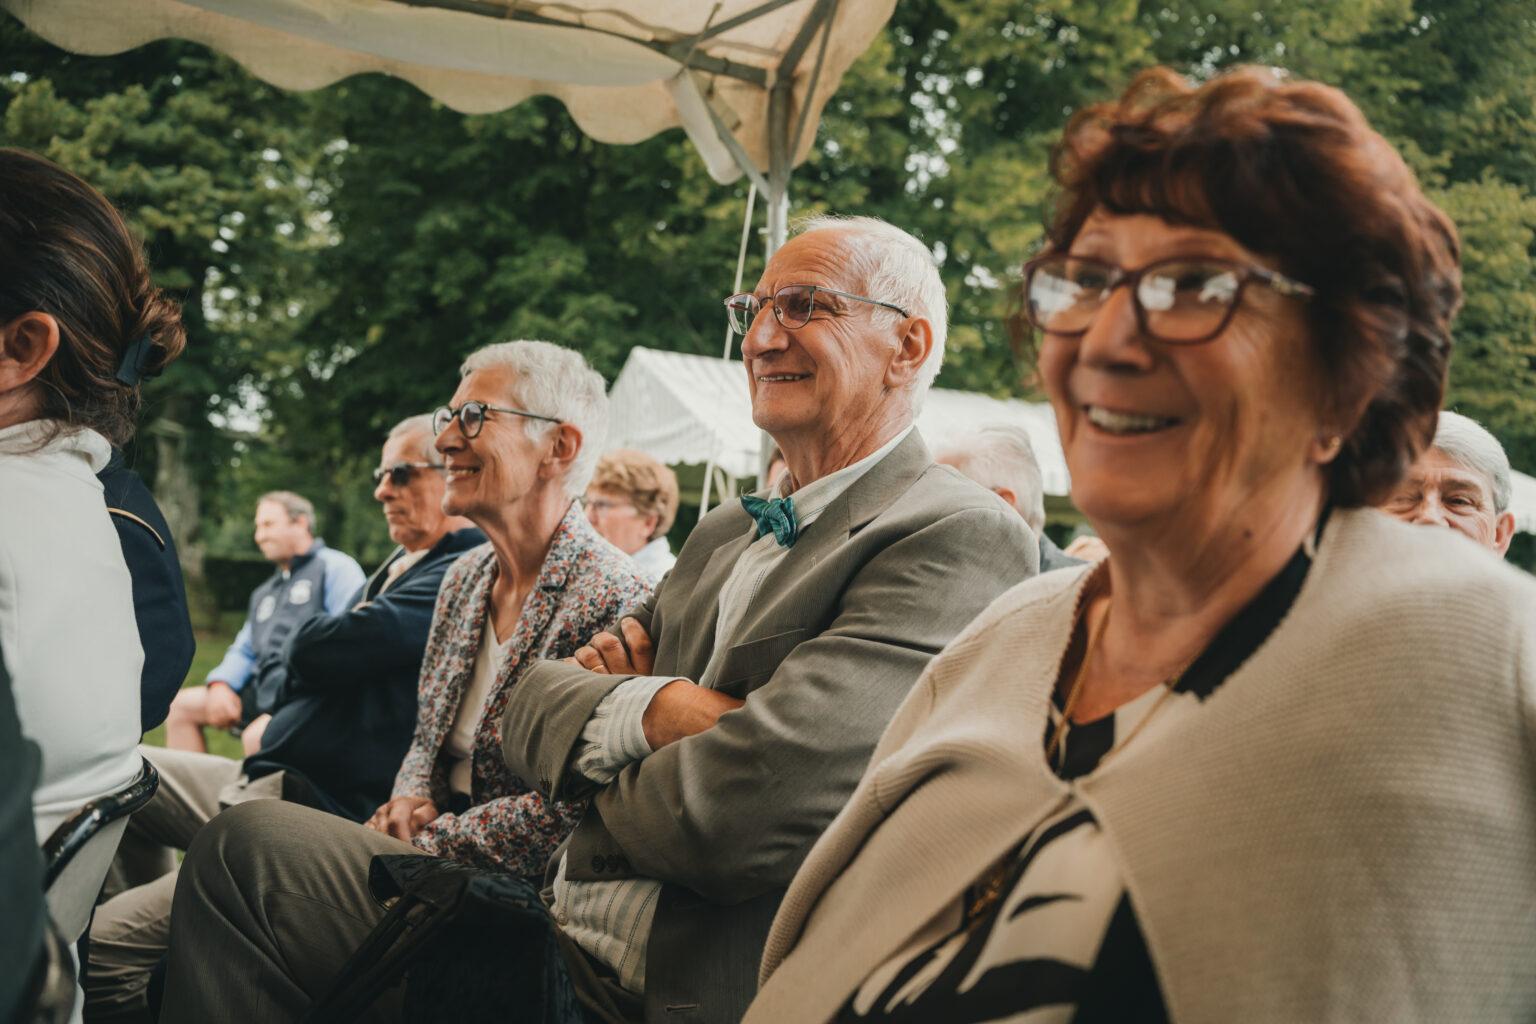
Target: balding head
[(894, 267), (841, 338), (1001, 459)]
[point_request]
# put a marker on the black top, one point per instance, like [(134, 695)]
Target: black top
[(159, 594)]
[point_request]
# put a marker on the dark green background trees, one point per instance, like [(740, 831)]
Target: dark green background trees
[(338, 252)]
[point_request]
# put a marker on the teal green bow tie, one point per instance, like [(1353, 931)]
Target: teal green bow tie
[(773, 515)]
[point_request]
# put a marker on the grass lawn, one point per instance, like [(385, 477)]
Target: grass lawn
[(210, 651)]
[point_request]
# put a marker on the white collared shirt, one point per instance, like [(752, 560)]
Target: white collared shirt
[(612, 920)]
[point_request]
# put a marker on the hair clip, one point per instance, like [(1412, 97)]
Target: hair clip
[(132, 371)]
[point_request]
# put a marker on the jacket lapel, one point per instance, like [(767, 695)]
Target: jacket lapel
[(376, 581), (870, 495), (527, 641)]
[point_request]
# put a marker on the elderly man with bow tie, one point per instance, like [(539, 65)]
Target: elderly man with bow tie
[(719, 734)]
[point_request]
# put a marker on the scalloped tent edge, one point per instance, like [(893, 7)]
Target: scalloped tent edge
[(745, 79)]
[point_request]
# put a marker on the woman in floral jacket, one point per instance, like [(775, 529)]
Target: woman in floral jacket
[(522, 597), (277, 894), (584, 585)]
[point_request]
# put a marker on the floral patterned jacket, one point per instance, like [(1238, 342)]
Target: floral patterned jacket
[(585, 585)]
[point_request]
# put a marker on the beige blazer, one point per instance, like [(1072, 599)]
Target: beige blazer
[(1346, 830), (837, 635)]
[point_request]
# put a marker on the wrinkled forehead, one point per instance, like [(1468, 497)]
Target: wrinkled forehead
[(828, 257), (491, 386), (1439, 468), (271, 513), (407, 447)]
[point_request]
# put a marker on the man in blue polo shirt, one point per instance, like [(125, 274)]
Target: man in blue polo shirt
[(310, 579)]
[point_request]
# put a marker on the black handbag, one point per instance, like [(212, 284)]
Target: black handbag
[(470, 945)]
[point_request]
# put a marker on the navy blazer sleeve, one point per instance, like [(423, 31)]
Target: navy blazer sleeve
[(159, 593), (332, 653)]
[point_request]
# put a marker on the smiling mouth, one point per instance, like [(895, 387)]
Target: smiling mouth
[(460, 472), (780, 378), (1121, 423)]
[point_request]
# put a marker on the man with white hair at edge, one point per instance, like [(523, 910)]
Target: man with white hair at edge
[(1461, 481), (722, 726), (999, 456)]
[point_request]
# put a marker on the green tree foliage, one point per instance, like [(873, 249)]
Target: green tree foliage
[(214, 171), (371, 238)]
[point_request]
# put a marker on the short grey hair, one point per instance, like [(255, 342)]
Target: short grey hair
[(295, 505), (553, 381), (1466, 441), (1000, 455), (419, 427), (899, 269)]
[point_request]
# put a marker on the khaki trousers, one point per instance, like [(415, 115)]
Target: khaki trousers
[(131, 930), (272, 901)]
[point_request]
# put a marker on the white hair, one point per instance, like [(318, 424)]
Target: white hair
[(1466, 441), (558, 382), (1000, 455), (899, 269), (419, 428)]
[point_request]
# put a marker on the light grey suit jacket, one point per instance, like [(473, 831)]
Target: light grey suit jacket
[(837, 635)]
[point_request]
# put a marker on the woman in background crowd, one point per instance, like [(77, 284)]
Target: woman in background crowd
[(632, 502), (1272, 759), (81, 325)]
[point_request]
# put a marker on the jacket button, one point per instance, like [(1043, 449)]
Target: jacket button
[(597, 862), (613, 862)]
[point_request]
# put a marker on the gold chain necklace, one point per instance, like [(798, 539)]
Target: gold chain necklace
[(990, 889), (1068, 705), (1077, 684)]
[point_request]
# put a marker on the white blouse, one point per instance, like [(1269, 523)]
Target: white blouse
[(67, 628)]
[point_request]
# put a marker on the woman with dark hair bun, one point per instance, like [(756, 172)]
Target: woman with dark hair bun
[(1272, 759), (81, 326)]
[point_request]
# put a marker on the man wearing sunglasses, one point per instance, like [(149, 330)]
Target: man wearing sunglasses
[(342, 703), (721, 732)]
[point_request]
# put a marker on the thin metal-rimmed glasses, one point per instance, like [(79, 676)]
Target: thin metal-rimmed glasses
[(471, 417), (602, 505), (1182, 300), (792, 305), (400, 473)]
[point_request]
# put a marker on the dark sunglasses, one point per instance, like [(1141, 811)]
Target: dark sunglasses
[(400, 473)]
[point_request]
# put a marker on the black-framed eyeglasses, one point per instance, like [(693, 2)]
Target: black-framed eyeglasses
[(400, 473), (792, 305), (1182, 300), (471, 417)]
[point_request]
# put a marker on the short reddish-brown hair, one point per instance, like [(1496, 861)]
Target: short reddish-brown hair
[(1291, 170), (645, 483)]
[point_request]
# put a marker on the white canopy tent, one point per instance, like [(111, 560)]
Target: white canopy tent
[(746, 79), (1522, 502), (687, 409)]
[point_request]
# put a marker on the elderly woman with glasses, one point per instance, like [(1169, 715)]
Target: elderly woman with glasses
[(81, 326), (283, 889), (1272, 759)]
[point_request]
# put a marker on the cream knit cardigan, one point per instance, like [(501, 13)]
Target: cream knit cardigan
[(1345, 830)]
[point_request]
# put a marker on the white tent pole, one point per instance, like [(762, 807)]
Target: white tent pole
[(725, 354)]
